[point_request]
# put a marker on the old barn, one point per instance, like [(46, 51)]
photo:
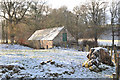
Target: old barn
[(47, 38)]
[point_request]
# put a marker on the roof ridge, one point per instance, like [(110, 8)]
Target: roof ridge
[(46, 34), (49, 28)]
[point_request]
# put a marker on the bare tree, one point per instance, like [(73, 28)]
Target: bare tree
[(92, 14), (113, 12), (13, 12), (79, 16), (47, 10), (37, 9), (119, 12), (96, 11), (3, 31)]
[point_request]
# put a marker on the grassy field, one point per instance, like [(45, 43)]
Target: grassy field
[(70, 60)]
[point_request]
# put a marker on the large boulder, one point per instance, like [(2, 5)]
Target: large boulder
[(96, 57), (101, 54)]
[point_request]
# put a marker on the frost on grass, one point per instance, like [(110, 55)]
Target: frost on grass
[(50, 63), (13, 47), (44, 69)]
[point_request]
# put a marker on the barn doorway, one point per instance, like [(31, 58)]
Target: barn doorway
[(65, 37)]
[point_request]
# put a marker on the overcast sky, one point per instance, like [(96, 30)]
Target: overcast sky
[(69, 3)]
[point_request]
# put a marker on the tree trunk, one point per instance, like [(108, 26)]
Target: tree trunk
[(112, 20), (12, 39), (77, 38), (95, 38), (6, 33), (12, 33), (112, 37), (77, 18), (3, 32)]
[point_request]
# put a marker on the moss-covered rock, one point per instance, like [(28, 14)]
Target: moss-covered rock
[(91, 68), (86, 65)]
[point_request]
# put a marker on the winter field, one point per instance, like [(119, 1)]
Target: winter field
[(48, 63)]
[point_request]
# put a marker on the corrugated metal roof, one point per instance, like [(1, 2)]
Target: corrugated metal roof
[(46, 34)]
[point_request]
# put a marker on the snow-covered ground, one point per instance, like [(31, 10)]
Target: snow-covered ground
[(13, 47), (63, 63)]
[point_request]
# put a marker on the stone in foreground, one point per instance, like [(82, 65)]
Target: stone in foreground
[(96, 57)]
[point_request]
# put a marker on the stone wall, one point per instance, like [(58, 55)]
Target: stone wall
[(58, 40), (46, 44)]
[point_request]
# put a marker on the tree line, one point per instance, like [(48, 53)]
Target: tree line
[(88, 20)]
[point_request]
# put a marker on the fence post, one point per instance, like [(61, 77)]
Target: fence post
[(108, 48), (115, 52), (117, 67), (87, 48), (83, 48), (65, 44), (114, 76), (111, 52)]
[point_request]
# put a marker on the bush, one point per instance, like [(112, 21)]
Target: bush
[(89, 43)]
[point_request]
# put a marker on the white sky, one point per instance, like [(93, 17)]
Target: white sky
[(69, 3)]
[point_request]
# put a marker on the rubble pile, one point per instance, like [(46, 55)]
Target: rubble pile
[(56, 69), (47, 69), (9, 70), (96, 57)]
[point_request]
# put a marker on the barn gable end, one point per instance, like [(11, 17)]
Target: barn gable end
[(58, 40)]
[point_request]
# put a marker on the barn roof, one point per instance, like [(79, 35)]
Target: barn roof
[(46, 34)]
